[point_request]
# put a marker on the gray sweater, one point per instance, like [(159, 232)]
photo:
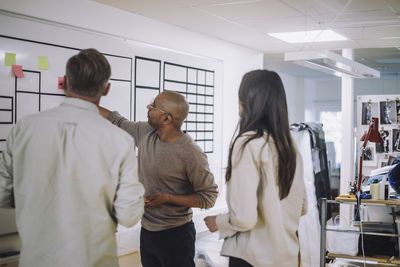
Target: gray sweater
[(179, 167)]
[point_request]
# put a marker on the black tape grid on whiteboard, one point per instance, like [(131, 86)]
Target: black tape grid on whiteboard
[(208, 124), (53, 94)]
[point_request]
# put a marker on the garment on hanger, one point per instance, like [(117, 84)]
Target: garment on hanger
[(319, 160), (309, 227)]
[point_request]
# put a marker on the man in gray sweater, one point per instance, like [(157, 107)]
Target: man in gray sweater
[(176, 176)]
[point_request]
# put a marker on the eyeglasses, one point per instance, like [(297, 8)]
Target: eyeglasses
[(151, 107)]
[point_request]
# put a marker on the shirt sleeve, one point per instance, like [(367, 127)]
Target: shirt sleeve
[(129, 202), (201, 178), (242, 194), (6, 174), (136, 129)]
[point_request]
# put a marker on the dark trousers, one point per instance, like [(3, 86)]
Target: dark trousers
[(169, 248), (236, 262)]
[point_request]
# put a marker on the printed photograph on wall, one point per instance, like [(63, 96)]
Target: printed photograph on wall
[(369, 158), (369, 110), (396, 140), (388, 112), (383, 147), (382, 163)]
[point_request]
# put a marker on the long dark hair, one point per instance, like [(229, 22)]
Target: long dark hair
[(263, 100)]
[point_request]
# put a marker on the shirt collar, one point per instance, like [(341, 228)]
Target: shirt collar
[(80, 103)]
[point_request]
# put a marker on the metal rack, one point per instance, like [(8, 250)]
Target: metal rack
[(387, 261)]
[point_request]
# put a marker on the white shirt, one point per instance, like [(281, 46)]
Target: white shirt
[(259, 227), (73, 176)]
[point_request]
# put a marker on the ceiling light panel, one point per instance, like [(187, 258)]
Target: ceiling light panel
[(308, 36)]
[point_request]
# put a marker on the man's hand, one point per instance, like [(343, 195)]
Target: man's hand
[(211, 222), (156, 200), (104, 112)]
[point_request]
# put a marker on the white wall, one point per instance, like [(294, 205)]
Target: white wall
[(300, 94), (310, 91), (295, 97), (386, 85), (330, 89)]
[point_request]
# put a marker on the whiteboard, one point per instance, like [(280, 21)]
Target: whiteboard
[(139, 73)]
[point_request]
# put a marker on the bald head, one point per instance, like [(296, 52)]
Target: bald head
[(175, 104)]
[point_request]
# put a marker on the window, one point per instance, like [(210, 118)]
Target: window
[(331, 121)]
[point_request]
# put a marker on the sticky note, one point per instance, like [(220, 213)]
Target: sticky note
[(61, 83), (17, 69), (9, 59), (43, 63)]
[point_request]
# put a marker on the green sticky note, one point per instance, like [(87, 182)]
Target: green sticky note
[(9, 59), (43, 63)]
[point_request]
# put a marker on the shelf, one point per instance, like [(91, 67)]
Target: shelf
[(378, 258), (368, 201), (381, 260)]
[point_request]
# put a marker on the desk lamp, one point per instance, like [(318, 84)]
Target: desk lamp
[(374, 136)]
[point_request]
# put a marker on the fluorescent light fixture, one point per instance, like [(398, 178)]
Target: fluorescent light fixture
[(331, 63), (308, 36)]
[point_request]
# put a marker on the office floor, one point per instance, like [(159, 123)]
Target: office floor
[(209, 245), (206, 244)]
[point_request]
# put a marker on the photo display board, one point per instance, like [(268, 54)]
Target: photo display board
[(387, 109)]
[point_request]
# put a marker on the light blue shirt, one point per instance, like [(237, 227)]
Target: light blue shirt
[(72, 176)]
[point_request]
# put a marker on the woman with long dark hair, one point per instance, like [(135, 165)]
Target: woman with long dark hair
[(264, 177)]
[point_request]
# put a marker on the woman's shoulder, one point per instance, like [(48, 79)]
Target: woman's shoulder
[(261, 139), (254, 143)]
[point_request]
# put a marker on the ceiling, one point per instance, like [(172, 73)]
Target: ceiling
[(371, 26)]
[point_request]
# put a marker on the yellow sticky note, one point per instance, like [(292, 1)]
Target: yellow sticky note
[(9, 59), (43, 63)]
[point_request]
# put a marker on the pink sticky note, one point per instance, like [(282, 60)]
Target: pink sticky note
[(61, 83), (17, 69)]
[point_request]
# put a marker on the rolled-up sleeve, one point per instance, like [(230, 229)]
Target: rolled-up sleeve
[(6, 175), (129, 202), (136, 129), (202, 178)]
